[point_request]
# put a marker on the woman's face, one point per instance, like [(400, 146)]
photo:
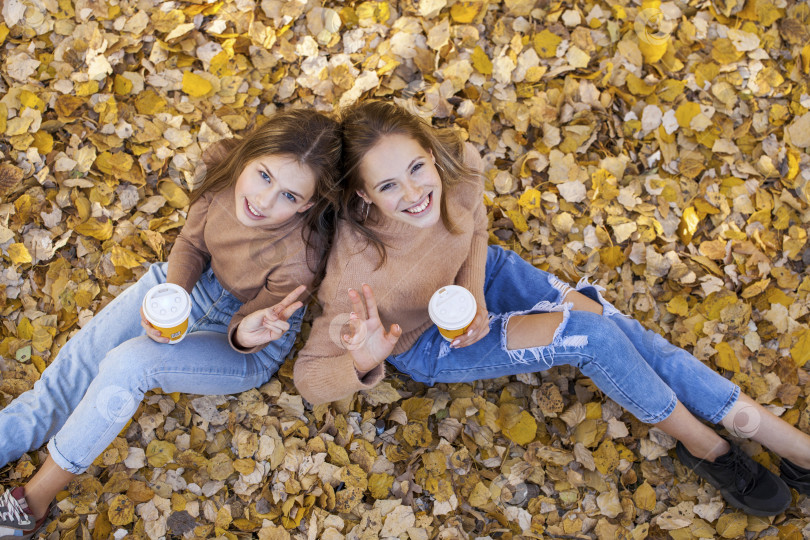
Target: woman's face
[(401, 181), (272, 189)]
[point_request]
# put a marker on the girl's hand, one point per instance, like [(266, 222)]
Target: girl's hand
[(478, 328), (369, 343), (151, 331), (268, 324)]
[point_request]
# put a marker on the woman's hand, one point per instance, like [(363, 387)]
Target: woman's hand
[(268, 324), (478, 328), (369, 343), (151, 331)]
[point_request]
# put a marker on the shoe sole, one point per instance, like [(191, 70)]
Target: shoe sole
[(688, 460)]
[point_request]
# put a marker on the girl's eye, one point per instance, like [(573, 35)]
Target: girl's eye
[(290, 197), (416, 167), (387, 186), (265, 176)]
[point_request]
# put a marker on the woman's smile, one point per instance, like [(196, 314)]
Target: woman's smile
[(401, 181), (421, 208), (251, 211), (272, 189)]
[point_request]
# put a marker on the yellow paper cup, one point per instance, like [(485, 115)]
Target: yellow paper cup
[(167, 308), (452, 309)]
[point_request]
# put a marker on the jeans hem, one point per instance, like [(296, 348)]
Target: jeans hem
[(724, 410), (61, 461), (668, 410)]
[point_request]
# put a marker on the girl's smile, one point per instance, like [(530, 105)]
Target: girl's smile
[(401, 181), (252, 212), (272, 189), (423, 207)]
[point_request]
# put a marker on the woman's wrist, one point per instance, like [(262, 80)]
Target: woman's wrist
[(360, 372), (362, 368), (235, 337)]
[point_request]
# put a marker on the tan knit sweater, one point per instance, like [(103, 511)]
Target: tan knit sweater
[(419, 261), (259, 266)]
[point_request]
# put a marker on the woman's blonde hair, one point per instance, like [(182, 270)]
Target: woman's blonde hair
[(309, 137), (363, 125)]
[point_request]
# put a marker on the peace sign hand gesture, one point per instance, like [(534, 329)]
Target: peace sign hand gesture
[(268, 324), (369, 343)]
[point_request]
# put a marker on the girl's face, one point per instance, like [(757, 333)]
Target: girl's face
[(401, 181), (272, 189)]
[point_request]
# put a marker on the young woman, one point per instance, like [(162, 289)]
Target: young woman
[(254, 242), (414, 221)]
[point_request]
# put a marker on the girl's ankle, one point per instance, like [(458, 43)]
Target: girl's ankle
[(33, 510), (799, 461), (710, 454)]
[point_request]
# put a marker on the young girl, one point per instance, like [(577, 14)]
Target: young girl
[(254, 242), (414, 221)]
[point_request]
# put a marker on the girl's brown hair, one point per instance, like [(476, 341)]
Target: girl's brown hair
[(363, 125), (309, 137)]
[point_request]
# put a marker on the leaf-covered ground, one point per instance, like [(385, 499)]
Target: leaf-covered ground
[(660, 149)]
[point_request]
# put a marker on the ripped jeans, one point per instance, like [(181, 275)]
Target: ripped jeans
[(635, 367)]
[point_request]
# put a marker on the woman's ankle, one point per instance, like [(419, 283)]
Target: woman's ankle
[(802, 461), (708, 452), (37, 508), (42, 488)]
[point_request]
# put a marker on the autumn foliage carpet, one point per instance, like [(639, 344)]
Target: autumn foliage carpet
[(658, 149)]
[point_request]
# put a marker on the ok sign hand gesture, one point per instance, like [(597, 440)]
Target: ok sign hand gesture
[(268, 324), (369, 343)]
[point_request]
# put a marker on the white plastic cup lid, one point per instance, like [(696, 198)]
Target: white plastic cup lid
[(166, 305), (452, 307)]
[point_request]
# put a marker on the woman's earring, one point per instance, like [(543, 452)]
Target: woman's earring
[(366, 209)]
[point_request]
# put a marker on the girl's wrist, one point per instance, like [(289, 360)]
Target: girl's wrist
[(236, 340), (360, 372)]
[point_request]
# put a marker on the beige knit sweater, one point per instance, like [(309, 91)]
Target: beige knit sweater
[(419, 261), (259, 266)]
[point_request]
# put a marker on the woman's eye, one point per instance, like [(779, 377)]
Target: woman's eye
[(416, 167), (290, 196), (265, 176), (386, 187)]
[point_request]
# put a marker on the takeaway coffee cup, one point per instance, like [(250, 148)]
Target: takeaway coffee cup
[(452, 309), (167, 308)]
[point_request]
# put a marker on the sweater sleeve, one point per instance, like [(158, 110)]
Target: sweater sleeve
[(473, 270), (280, 282), (324, 371), (190, 255)]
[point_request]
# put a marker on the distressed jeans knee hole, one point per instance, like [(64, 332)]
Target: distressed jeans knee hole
[(542, 353)]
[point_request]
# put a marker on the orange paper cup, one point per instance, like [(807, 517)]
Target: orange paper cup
[(167, 308), (452, 309)]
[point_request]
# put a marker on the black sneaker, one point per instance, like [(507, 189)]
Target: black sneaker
[(16, 519), (743, 482), (796, 477)]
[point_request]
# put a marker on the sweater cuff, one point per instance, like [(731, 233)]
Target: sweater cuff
[(323, 380), (373, 377)]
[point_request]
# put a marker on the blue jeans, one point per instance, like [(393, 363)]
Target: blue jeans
[(94, 385), (635, 367)]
